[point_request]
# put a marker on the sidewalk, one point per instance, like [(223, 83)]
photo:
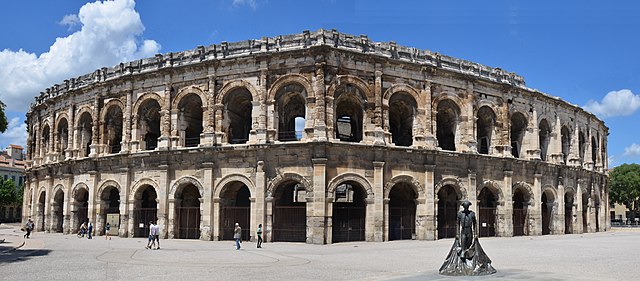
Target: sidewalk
[(12, 236)]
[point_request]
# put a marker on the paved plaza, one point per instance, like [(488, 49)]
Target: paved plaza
[(611, 255)]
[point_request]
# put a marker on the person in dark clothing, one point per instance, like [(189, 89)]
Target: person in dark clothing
[(259, 232), (28, 228)]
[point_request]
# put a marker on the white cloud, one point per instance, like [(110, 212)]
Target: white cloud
[(253, 4), (70, 20), (632, 150), (615, 103), (110, 32), (16, 133)]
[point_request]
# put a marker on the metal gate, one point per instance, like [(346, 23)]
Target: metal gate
[(141, 218), (230, 215), (447, 221), (290, 224), (188, 222), (519, 221), (401, 223), (348, 223), (487, 224)]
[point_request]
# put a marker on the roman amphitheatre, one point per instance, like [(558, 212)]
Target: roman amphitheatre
[(321, 137)]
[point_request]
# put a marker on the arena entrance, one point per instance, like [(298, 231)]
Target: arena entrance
[(568, 213), (81, 197), (547, 212), (145, 210), (235, 204), (402, 212), (488, 210), (111, 203), (447, 211), (290, 213), (349, 212), (520, 204), (40, 217), (58, 211), (187, 204)]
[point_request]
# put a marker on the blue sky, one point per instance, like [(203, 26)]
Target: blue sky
[(585, 52)]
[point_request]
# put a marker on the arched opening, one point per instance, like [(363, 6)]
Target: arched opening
[(566, 143), (594, 150), (290, 105), (187, 202), (402, 212), (349, 212), (31, 151), (568, 213), (237, 115), (518, 129), (596, 202), (585, 212), (447, 211), (149, 124), (235, 204), (190, 120), (520, 204), (487, 206), (112, 137), (547, 212), (581, 145), (57, 208), (544, 135), (81, 198), (110, 198), (349, 112), (290, 213), (63, 135), (145, 210), (402, 111), (46, 134), (447, 124), (486, 120), (85, 133)]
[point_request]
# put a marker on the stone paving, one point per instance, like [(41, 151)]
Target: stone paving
[(50, 256)]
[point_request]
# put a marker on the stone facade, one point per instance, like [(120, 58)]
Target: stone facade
[(321, 137)]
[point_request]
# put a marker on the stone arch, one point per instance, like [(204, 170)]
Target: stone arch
[(397, 88), (337, 180), (494, 187), (140, 183), (59, 118), (293, 78), (222, 183), (109, 104), (183, 181), (145, 97), (550, 190), (185, 91), (232, 85), (82, 110), (526, 190), (349, 79), (108, 183), (447, 118), (447, 96), (276, 181), (461, 191), (56, 188), (413, 182), (77, 187)]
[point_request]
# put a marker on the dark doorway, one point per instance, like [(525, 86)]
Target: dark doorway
[(447, 211), (113, 129), (518, 129), (568, 213), (188, 212), (446, 124), (238, 106), (290, 105), (145, 211), (486, 120), (402, 109), (585, 212), (82, 202), (520, 203), (487, 218), (547, 211), (235, 204), (58, 210), (290, 213), (402, 212), (149, 124), (349, 212), (111, 202), (40, 217), (190, 120)]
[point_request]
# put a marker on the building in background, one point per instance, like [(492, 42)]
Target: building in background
[(12, 167)]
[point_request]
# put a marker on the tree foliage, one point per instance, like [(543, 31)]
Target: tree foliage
[(7, 192), (625, 185), (3, 118)]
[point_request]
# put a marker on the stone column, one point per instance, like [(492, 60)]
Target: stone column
[(206, 211), (559, 223), (319, 223), (579, 227), (171, 228), (268, 226), (427, 214), (126, 126), (92, 185), (506, 229), (385, 230), (261, 130), (429, 134), (165, 122), (472, 193), (535, 207), (95, 129), (124, 208), (163, 199), (66, 224), (379, 221), (260, 195), (319, 117), (532, 137), (216, 219)]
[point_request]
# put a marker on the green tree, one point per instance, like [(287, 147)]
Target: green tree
[(625, 186), (7, 192), (3, 118)]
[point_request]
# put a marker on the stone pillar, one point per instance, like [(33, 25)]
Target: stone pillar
[(165, 125), (319, 117), (171, 228), (126, 126), (261, 120), (535, 207), (92, 185), (378, 209), (472, 193), (268, 226), (427, 214), (319, 223), (46, 227), (163, 199), (559, 223), (216, 219), (259, 216), (385, 230), (579, 226), (429, 133), (95, 129), (506, 229), (209, 111), (67, 227), (206, 211), (532, 137), (124, 208)]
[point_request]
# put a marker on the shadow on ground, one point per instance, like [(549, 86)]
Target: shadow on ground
[(12, 256)]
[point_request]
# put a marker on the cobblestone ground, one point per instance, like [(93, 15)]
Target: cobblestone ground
[(610, 255)]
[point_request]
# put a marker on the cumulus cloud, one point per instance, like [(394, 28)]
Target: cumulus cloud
[(16, 133), (253, 4), (632, 150), (615, 103), (109, 32)]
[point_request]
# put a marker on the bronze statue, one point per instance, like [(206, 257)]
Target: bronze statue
[(466, 256)]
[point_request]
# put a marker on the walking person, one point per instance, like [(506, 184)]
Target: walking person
[(237, 234), (107, 227), (28, 228), (156, 235), (151, 242), (89, 230), (83, 229), (259, 232)]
